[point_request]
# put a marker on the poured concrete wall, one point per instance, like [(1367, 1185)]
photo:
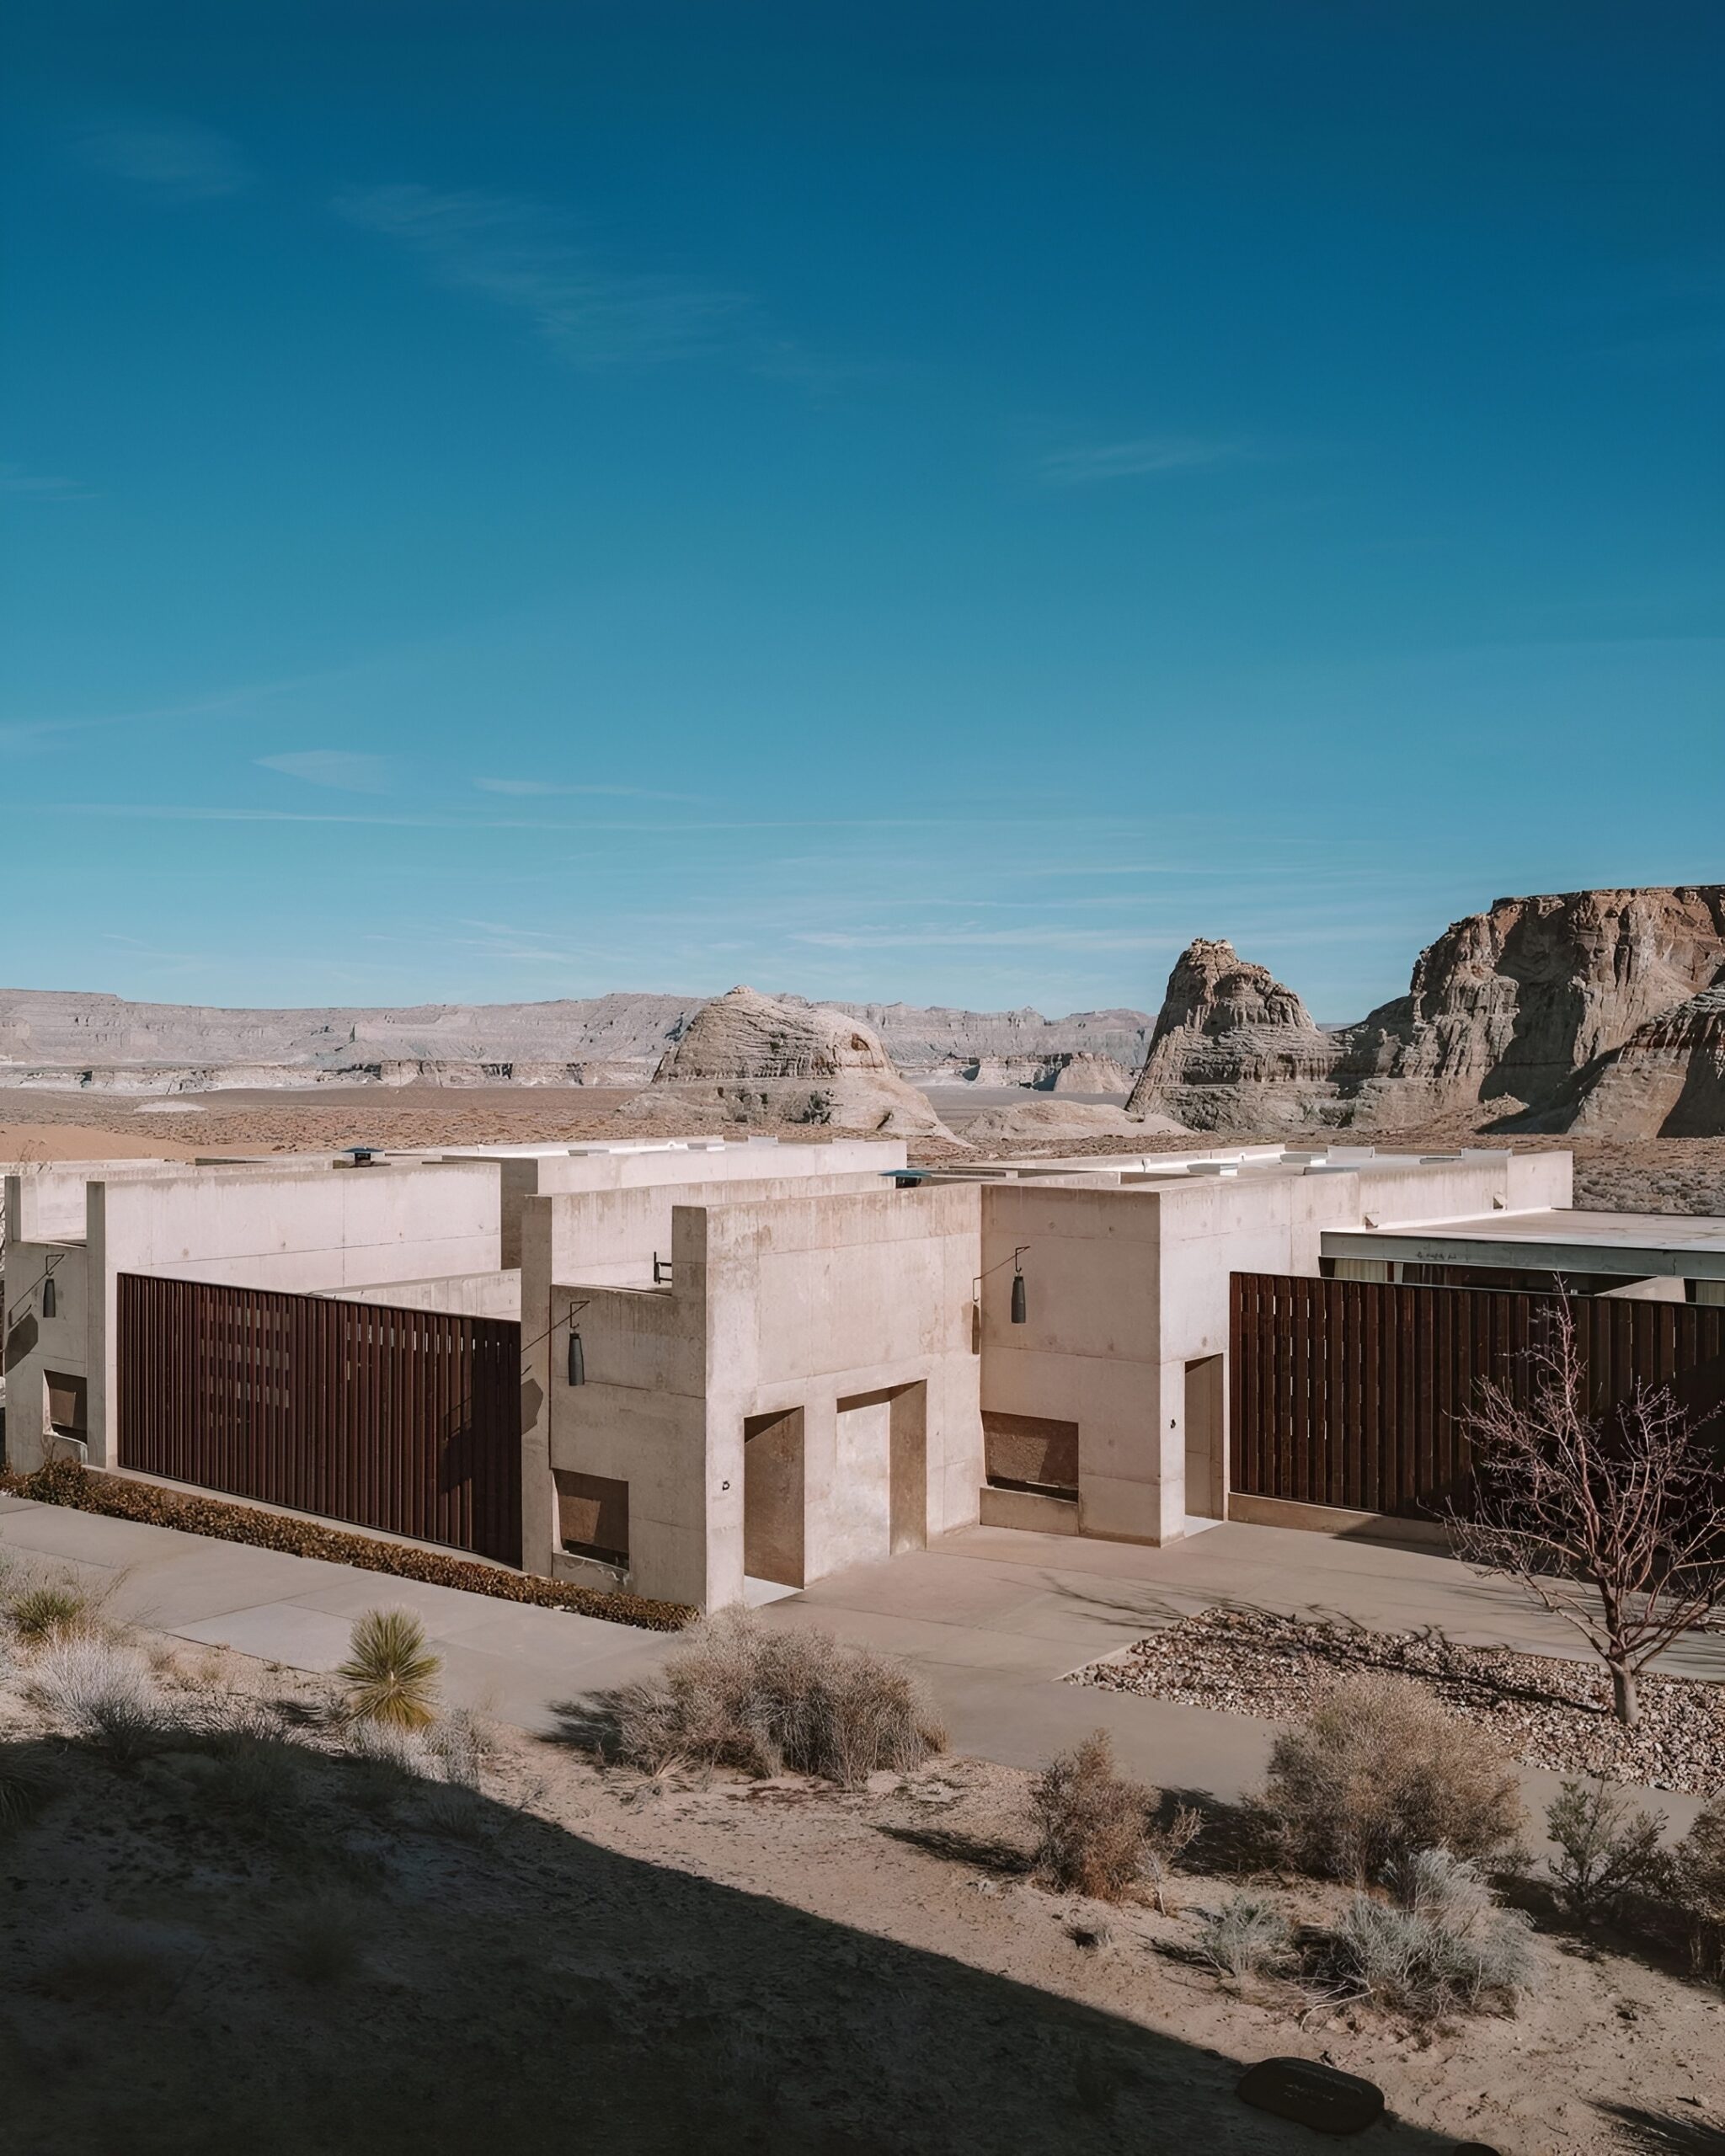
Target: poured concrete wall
[(849, 1311), (1126, 1286), (548, 1172), (461, 1295), (36, 1345)]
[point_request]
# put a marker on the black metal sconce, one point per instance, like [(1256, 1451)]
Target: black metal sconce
[(578, 1359), (51, 1296), (1017, 1307)]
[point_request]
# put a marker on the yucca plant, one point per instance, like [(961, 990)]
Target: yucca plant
[(389, 1677)]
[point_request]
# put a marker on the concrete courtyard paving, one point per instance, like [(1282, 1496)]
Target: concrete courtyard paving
[(993, 1618)]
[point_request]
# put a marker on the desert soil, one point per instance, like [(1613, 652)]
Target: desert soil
[(586, 1960), (1673, 1175)]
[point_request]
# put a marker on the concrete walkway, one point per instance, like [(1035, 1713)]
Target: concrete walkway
[(992, 1617)]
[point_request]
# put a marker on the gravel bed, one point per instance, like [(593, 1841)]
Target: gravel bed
[(1545, 1711)]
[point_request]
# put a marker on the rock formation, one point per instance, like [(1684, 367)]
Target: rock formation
[(1066, 1071), (1507, 1006), (1666, 1081), (60, 1041), (1057, 1119), (761, 1057), (1233, 1049), (1597, 1010)]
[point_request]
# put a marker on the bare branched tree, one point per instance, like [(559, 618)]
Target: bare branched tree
[(1614, 1521)]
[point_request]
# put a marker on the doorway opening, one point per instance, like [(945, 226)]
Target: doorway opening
[(1206, 1440), (772, 1496)]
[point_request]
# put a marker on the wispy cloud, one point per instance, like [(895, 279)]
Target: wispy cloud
[(537, 787), (516, 255), (341, 768), (30, 734), (1134, 460), (1047, 939), (175, 161), (30, 486)]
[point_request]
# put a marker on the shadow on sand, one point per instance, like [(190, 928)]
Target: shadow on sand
[(515, 1988)]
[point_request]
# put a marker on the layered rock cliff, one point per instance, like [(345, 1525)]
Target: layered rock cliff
[(1234, 1048), (1602, 1011), (763, 1058), (58, 1039), (1667, 1079), (1507, 1006)]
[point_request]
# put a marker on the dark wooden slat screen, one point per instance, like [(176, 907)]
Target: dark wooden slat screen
[(409, 1420), (1349, 1392)]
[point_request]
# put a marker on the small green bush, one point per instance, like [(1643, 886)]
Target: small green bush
[(1380, 1769), (1609, 1855), (1697, 1878), (39, 1614), (390, 1677), (1092, 1823)]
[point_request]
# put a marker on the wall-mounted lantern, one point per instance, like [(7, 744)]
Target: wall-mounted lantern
[(578, 1359), (51, 1296), (1018, 1295)]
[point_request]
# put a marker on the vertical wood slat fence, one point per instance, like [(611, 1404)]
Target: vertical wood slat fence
[(1351, 1392), (407, 1420)]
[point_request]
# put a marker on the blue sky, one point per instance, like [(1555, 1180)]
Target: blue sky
[(933, 500)]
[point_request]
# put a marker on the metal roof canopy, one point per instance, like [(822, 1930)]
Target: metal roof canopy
[(1639, 1245)]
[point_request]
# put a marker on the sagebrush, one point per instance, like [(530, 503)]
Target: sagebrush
[(1247, 1935), (1092, 1823), (743, 1695), (1378, 1771), (102, 1690), (1441, 1946)]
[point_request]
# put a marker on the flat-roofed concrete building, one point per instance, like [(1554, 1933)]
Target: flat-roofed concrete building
[(706, 1369)]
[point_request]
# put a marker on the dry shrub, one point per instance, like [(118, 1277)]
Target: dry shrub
[(27, 1782), (101, 1690), (456, 1810), (42, 1613), (1380, 1769), (390, 1677), (1092, 1824), (1697, 1876), (1609, 1855), (1443, 1945), (257, 1783), (384, 1763), (1247, 1936), (743, 1695), (459, 1745), (64, 1482)]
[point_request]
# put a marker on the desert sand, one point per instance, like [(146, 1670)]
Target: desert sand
[(693, 1963)]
